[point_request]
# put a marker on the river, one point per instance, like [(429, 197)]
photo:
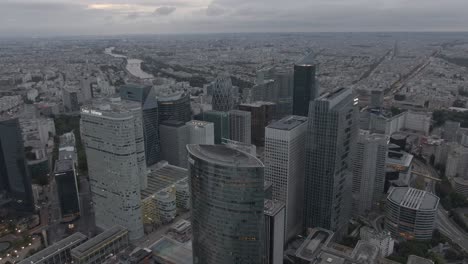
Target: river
[(133, 65)]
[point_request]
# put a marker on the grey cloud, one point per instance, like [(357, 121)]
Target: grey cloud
[(165, 10), (215, 10)]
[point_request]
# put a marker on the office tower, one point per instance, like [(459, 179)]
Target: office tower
[(146, 96), (284, 79), (411, 213), (67, 188), (200, 132), (305, 85), (112, 133), (274, 231), (262, 113), (70, 98), (240, 126), (221, 124), (227, 205), (174, 138), (377, 99), (331, 134), (86, 88), (368, 171), (284, 167), (174, 106), (450, 132), (223, 93), (15, 181)]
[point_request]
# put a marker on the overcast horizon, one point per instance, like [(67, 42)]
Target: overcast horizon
[(118, 17)]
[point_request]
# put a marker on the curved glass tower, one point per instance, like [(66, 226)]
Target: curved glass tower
[(226, 188)]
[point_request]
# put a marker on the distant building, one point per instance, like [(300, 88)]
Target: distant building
[(201, 132), (284, 167), (175, 106), (240, 123), (227, 222), (377, 99), (146, 96), (223, 94), (67, 188), (274, 231), (112, 133), (383, 240), (174, 138), (369, 157), (70, 98), (262, 113), (317, 239), (411, 213), (305, 85), (284, 79), (15, 180), (221, 124), (58, 253), (331, 134), (451, 130), (99, 248)]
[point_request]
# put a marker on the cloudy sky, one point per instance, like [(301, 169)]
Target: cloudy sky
[(99, 17)]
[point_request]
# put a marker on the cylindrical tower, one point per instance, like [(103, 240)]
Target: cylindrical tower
[(183, 194), (166, 204)]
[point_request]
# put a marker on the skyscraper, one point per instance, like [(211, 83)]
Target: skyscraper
[(223, 93), (274, 231), (221, 124), (331, 134), (284, 167), (174, 138), (227, 205), (15, 181), (146, 96), (200, 132), (305, 85), (112, 133), (67, 188), (174, 106), (262, 113), (240, 126), (368, 171)]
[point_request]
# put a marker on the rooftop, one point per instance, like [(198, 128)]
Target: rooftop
[(70, 241), (316, 240), (288, 123), (258, 104), (167, 250), (413, 198), (272, 207), (329, 258), (173, 123), (365, 253), (63, 165), (307, 60), (224, 155), (161, 176), (197, 123), (412, 259), (93, 243), (111, 107)]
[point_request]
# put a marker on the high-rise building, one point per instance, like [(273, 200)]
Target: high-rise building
[(15, 181), (284, 79), (240, 126), (174, 106), (411, 213), (112, 133), (274, 231), (305, 85), (70, 98), (331, 134), (223, 93), (227, 205), (221, 124), (284, 167), (174, 138), (146, 96), (368, 171), (262, 113), (67, 188), (200, 132)]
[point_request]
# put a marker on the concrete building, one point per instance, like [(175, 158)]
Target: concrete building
[(99, 248), (67, 188), (174, 106), (317, 239), (331, 134), (200, 132), (451, 130), (227, 222), (413, 259), (240, 123), (411, 213), (146, 96), (457, 163), (377, 99), (284, 167), (262, 114), (58, 253), (274, 231), (223, 93), (71, 100), (174, 138), (220, 121), (15, 180), (398, 167), (305, 85), (368, 171), (383, 240), (112, 133)]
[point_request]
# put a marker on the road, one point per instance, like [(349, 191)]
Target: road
[(445, 225)]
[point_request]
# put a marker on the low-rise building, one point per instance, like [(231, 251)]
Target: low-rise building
[(383, 240)]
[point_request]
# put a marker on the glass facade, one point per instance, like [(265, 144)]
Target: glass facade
[(67, 188), (305, 88), (227, 201), (176, 107), (221, 124)]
